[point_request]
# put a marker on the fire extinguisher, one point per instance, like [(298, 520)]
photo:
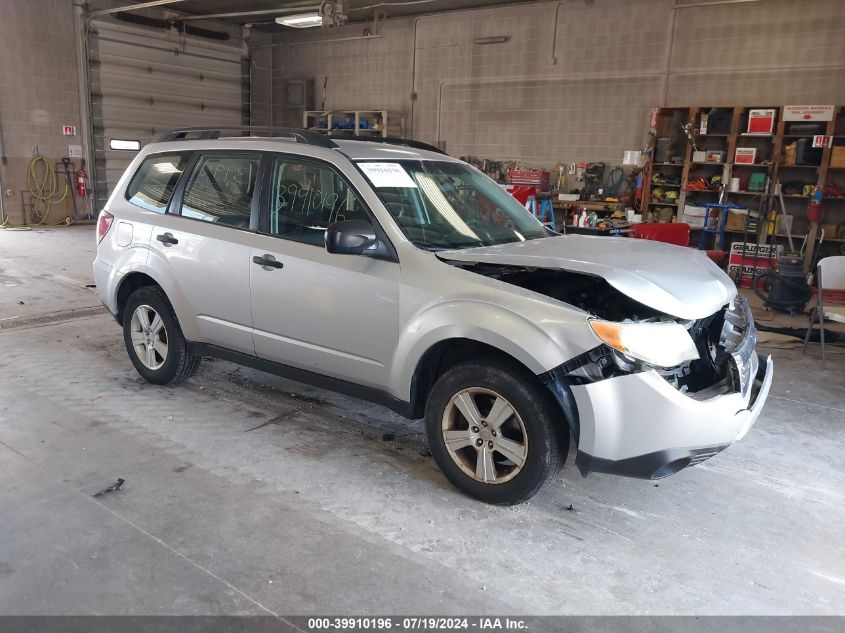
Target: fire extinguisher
[(814, 208), (81, 178)]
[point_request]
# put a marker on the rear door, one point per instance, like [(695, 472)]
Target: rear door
[(204, 244), (336, 315)]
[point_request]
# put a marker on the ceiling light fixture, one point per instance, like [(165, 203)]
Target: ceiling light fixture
[(301, 20)]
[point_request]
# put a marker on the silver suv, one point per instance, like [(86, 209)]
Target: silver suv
[(387, 270)]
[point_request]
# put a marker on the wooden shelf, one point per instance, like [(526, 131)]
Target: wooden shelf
[(771, 152), (364, 122)]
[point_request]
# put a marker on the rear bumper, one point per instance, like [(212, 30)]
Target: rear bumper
[(106, 279), (640, 426)]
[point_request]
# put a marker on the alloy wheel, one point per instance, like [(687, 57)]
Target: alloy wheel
[(484, 435), (149, 337)]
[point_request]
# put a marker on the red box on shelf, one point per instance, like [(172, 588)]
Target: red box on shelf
[(528, 177), (761, 121)]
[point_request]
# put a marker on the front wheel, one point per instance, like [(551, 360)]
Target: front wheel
[(495, 431)]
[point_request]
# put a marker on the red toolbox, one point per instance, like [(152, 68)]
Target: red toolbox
[(528, 177)]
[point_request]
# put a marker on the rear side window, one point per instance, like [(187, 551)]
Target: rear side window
[(221, 188), (153, 184)]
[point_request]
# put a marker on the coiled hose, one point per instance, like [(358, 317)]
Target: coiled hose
[(43, 184)]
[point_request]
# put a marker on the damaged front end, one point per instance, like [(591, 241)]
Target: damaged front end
[(724, 351), (718, 397), (706, 349)]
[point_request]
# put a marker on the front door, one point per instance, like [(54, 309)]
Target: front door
[(336, 315)]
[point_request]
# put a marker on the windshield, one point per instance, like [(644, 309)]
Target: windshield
[(442, 205)]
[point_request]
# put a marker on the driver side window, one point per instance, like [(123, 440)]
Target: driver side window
[(306, 197)]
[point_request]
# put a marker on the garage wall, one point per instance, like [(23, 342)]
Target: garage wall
[(575, 81), (38, 91)]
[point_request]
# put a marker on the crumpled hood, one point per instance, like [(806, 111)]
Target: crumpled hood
[(682, 282)]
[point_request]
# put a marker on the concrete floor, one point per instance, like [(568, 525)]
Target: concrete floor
[(249, 494)]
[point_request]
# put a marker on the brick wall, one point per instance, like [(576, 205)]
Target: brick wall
[(38, 91), (575, 81)]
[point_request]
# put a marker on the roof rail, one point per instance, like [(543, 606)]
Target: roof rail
[(391, 140), (203, 133)]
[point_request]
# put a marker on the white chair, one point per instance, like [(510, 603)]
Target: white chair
[(830, 275)]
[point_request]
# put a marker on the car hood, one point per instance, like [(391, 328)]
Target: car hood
[(682, 282)]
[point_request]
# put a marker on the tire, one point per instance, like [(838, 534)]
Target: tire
[(534, 430), (169, 361)]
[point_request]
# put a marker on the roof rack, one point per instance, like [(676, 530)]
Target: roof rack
[(204, 133), (299, 135), (391, 140)]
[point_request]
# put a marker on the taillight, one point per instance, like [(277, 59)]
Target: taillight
[(103, 225)]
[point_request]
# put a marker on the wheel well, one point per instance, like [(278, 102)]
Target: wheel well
[(442, 357), (130, 284)]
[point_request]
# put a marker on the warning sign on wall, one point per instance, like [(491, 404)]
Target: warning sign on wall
[(808, 113)]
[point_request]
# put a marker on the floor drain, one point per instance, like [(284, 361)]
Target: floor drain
[(53, 317)]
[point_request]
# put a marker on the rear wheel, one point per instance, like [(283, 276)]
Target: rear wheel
[(495, 432), (154, 340)]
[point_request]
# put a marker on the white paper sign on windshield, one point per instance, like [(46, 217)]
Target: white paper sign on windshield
[(387, 175)]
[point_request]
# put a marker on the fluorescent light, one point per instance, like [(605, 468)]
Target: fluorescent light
[(132, 146), (301, 20), (166, 168)]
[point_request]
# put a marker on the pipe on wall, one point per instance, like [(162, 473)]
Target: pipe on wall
[(86, 121), (712, 4)]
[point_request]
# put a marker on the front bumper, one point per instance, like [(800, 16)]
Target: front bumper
[(639, 425)]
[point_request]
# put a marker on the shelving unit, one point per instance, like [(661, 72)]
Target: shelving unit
[(382, 123), (727, 130)]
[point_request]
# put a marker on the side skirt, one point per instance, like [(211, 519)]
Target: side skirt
[(307, 377)]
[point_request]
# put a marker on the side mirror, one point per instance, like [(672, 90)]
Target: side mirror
[(351, 237)]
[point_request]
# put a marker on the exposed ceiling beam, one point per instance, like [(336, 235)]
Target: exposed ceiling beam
[(130, 7), (245, 14)]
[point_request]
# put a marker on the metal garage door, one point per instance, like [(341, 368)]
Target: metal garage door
[(144, 81)]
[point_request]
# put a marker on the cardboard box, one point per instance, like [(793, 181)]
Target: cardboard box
[(837, 156), (751, 259), (736, 219), (789, 154), (830, 230), (745, 155), (699, 157)]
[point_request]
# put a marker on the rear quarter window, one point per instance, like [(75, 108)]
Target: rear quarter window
[(152, 186)]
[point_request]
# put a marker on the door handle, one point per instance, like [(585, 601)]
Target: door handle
[(267, 260), (167, 239)]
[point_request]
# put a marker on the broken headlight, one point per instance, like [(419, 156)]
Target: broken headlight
[(659, 344)]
